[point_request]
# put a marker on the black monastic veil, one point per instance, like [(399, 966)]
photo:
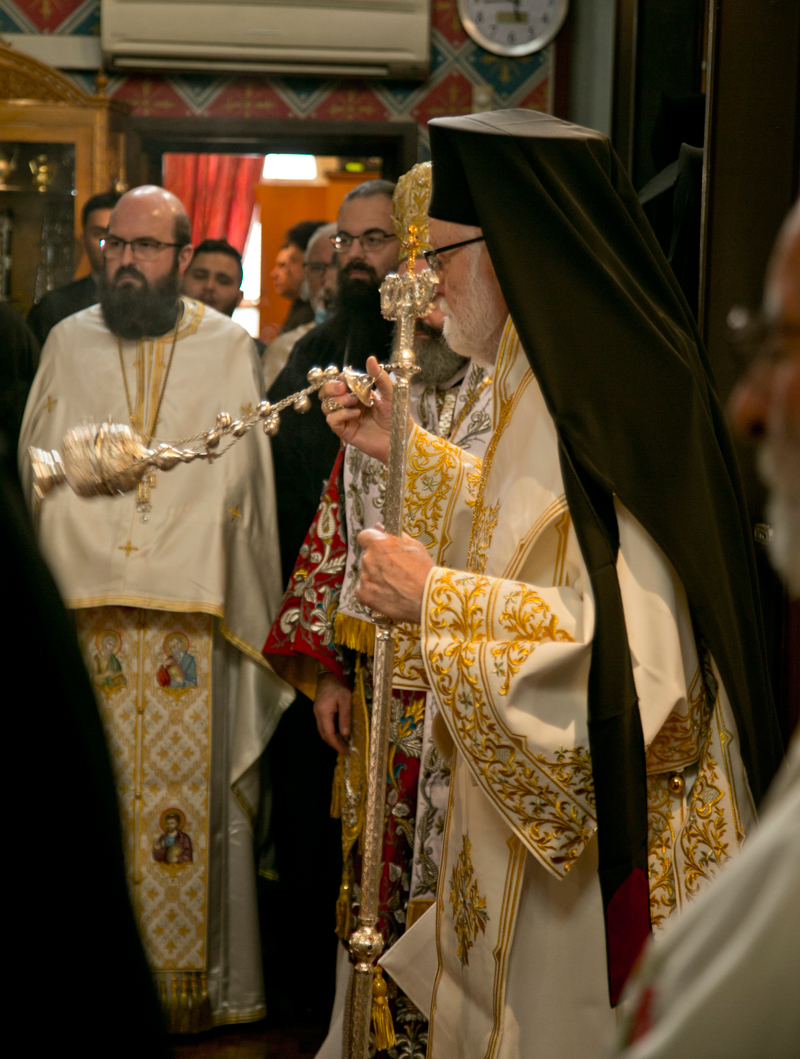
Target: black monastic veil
[(617, 355)]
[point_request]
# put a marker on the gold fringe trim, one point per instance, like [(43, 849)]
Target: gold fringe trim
[(343, 909), (185, 1004), (355, 633), (381, 1015)]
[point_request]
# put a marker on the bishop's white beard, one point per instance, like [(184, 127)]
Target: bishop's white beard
[(475, 332), (779, 470)]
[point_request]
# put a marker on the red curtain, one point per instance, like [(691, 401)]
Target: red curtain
[(218, 191)]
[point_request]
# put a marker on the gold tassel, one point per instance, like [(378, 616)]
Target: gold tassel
[(381, 1015), (204, 1020), (185, 1017), (355, 633), (336, 790), (174, 1007), (343, 909)]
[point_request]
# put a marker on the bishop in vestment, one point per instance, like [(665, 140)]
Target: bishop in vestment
[(587, 604), (175, 583), (321, 623)]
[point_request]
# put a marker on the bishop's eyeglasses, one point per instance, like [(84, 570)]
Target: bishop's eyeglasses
[(432, 257), (142, 249), (372, 240)]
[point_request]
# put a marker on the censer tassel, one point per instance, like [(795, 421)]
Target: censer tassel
[(343, 909), (381, 1015)]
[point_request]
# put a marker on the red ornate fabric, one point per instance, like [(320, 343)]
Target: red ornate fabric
[(218, 192), (303, 629)]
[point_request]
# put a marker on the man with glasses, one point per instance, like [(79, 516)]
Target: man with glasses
[(189, 557), (587, 603), (81, 293), (307, 840)]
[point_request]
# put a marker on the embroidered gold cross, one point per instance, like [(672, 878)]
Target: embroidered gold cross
[(127, 547), (234, 512), (50, 403), (412, 245)]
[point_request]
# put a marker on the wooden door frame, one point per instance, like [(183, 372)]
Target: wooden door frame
[(150, 138)]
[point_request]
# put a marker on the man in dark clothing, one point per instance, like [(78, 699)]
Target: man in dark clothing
[(307, 841), (215, 276), (288, 275), (81, 293), (304, 449)]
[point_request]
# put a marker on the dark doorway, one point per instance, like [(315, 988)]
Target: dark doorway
[(150, 138)]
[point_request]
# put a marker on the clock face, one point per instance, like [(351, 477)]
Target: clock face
[(512, 27)]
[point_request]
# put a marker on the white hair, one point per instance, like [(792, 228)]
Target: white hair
[(474, 331), (325, 231)]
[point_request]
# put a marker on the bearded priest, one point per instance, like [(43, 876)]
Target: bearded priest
[(171, 588), (593, 636)]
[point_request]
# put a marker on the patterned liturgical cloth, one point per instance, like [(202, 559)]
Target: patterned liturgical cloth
[(171, 591), (514, 950)]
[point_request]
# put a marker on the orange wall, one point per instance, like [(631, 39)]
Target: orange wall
[(281, 206)]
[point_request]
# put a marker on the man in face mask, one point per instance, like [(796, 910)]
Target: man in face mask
[(190, 558)]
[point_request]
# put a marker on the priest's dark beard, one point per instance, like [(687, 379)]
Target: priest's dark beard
[(359, 295), (437, 361), (133, 312)]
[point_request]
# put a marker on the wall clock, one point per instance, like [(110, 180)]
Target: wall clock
[(512, 27)]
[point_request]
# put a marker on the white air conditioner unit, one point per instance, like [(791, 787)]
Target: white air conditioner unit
[(332, 38)]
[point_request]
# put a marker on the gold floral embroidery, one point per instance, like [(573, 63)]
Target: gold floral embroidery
[(409, 667), (549, 802), (703, 840), (469, 908), (680, 739), (660, 848), (519, 618), (431, 467), (485, 521)]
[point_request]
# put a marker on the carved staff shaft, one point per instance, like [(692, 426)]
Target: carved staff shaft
[(404, 299)]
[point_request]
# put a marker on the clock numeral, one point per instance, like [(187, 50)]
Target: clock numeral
[(479, 17), (493, 30)]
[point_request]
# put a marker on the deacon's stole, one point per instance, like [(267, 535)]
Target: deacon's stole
[(506, 647), (152, 675)]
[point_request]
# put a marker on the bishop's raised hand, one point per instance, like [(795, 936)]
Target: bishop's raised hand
[(356, 424)]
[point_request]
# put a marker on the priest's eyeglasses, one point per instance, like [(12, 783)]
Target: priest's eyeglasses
[(372, 240), (142, 249), (432, 257)]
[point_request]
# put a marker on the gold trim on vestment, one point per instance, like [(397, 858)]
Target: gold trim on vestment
[(508, 916), (355, 633)]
